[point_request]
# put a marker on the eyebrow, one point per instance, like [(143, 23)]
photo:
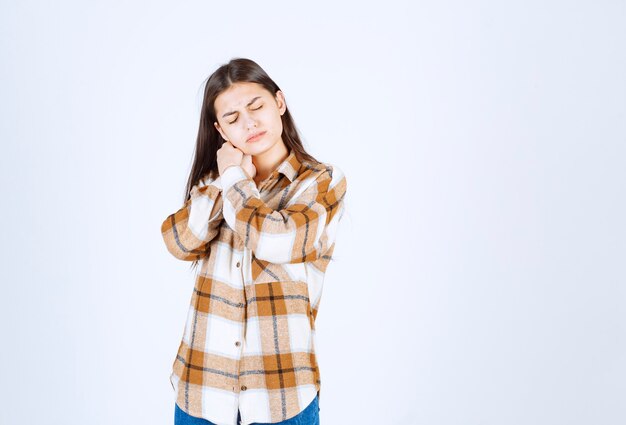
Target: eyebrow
[(234, 112)]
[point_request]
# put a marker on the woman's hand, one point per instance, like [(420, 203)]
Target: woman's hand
[(228, 155), (248, 166)]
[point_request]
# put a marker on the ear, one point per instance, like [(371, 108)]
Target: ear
[(280, 102), (219, 129)]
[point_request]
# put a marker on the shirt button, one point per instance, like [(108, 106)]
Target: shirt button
[(237, 343), (243, 388), (237, 263)]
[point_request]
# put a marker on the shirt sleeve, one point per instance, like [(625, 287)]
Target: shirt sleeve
[(188, 232), (302, 231)]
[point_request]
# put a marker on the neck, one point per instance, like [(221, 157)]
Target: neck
[(266, 162)]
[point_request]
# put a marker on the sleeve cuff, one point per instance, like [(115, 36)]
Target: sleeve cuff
[(232, 175)]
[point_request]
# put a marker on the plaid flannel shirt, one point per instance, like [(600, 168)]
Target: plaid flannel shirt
[(249, 337)]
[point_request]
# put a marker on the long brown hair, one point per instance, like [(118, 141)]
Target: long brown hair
[(209, 140)]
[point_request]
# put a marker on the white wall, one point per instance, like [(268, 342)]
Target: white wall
[(480, 274)]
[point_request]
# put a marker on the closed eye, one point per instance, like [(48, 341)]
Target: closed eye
[(233, 121)]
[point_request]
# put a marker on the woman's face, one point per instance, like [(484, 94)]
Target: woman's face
[(245, 109)]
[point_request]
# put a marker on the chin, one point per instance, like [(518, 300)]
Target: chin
[(255, 149)]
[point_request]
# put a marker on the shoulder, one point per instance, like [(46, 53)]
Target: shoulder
[(209, 178), (208, 181), (322, 172)]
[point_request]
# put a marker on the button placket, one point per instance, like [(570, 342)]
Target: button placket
[(245, 262), (241, 266)]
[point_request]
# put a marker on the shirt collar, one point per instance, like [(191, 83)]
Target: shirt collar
[(290, 166)]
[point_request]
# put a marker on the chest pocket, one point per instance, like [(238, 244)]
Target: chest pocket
[(265, 271), (283, 288)]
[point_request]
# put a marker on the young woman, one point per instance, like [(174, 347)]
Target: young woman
[(260, 215)]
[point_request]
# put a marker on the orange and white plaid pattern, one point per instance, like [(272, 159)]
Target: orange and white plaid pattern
[(249, 337)]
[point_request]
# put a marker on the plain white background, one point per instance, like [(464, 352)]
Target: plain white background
[(480, 270)]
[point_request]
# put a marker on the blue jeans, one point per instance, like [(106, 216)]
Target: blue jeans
[(309, 416)]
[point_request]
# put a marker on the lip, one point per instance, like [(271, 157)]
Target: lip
[(255, 136)]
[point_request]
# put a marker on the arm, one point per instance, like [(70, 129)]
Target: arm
[(302, 231), (188, 232)]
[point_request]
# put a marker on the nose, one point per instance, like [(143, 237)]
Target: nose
[(250, 122)]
